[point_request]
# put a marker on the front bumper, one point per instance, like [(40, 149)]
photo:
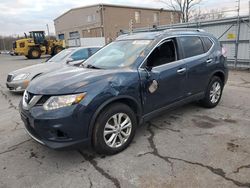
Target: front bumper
[(17, 86), (58, 129)]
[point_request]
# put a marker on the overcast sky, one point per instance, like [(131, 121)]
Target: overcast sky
[(19, 16)]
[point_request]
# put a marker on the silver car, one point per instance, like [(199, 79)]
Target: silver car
[(18, 80)]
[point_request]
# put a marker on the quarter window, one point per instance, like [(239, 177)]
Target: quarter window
[(207, 43), (192, 46)]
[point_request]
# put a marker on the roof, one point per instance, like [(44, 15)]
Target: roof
[(117, 6), (161, 34)]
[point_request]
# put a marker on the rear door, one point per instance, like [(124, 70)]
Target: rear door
[(198, 62)]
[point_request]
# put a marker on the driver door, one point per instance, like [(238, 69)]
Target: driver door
[(163, 77)]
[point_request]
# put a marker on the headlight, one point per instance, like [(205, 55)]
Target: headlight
[(56, 102), (21, 76)]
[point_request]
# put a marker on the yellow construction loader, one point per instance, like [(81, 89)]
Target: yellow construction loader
[(36, 44)]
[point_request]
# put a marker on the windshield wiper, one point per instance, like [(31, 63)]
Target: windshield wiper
[(92, 67)]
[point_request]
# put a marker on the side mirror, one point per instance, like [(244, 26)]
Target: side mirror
[(148, 68), (76, 63), (69, 60)]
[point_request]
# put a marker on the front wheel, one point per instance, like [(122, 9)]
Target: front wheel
[(213, 93), (114, 129)]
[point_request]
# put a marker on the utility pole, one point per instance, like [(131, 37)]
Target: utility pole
[(237, 34), (131, 26), (3, 43), (249, 30), (47, 25)]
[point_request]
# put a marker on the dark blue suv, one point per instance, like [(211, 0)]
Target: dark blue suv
[(123, 85)]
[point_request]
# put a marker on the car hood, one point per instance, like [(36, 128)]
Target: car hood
[(37, 69), (67, 80)]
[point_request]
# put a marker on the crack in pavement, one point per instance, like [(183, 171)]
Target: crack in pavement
[(14, 147), (155, 150), (90, 182), (93, 162), (218, 171), (241, 167), (11, 105), (165, 128)]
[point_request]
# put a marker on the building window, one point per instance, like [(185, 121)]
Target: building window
[(61, 36), (91, 18), (137, 17), (156, 17), (74, 34)]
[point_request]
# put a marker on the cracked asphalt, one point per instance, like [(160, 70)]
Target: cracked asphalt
[(187, 147)]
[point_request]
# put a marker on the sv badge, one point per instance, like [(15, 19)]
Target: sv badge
[(153, 86)]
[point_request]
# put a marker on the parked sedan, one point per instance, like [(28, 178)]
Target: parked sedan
[(19, 80)]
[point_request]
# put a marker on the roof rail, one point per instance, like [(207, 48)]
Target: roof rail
[(184, 29)]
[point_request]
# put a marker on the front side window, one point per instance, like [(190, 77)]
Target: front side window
[(191, 45), (81, 54), (162, 54), (117, 54), (137, 17)]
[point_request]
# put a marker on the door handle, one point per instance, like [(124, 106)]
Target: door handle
[(209, 60), (181, 70)]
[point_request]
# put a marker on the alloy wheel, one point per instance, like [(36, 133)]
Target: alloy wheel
[(215, 92), (117, 130)]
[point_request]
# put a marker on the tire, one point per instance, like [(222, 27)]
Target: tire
[(100, 142), (56, 50), (213, 100), (34, 53)]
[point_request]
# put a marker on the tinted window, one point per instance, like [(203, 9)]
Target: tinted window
[(207, 43), (93, 50), (80, 54), (192, 46)]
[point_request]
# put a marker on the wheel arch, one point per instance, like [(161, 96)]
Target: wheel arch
[(128, 100), (219, 74)]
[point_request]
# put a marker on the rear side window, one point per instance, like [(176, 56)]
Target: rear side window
[(93, 50), (192, 46), (207, 43), (81, 54)]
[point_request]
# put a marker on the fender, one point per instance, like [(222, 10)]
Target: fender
[(217, 71), (103, 105)]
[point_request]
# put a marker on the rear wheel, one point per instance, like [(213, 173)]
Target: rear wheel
[(34, 53), (114, 129), (213, 93)]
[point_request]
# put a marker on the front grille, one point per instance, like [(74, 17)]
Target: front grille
[(22, 45), (43, 100), (9, 78)]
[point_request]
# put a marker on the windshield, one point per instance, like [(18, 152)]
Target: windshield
[(117, 54), (60, 56)]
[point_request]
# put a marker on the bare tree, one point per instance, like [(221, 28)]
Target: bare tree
[(205, 14), (184, 6)]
